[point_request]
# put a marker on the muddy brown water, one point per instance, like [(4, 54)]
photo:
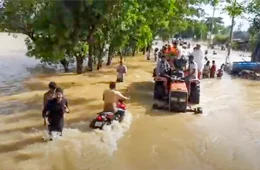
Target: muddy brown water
[(225, 137)]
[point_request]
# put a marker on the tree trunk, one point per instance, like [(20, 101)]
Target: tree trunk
[(100, 56), (90, 57), (99, 62), (144, 50), (110, 55), (133, 52), (256, 53), (65, 65), (79, 64), (230, 39), (121, 57)]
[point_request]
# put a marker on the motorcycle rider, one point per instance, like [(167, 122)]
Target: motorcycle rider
[(110, 97)]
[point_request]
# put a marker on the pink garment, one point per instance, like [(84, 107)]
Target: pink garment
[(121, 70)]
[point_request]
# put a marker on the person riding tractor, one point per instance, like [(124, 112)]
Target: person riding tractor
[(161, 75), (172, 53), (164, 79)]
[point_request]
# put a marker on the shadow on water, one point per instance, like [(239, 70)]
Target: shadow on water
[(41, 69), (33, 114), (101, 82), (18, 145), (141, 94), (90, 108), (34, 86), (100, 73)]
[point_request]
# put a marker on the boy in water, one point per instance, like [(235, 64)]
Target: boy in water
[(50, 93), (220, 71), (53, 112), (213, 69), (121, 70)]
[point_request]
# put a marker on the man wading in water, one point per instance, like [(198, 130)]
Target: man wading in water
[(50, 94), (121, 70), (111, 97), (53, 112)]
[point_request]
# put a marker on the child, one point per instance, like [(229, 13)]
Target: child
[(206, 70), (220, 71), (121, 70), (213, 69)]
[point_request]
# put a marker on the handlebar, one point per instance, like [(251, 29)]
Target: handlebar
[(175, 78)]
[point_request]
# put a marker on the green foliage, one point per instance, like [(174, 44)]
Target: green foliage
[(234, 8), (221, 39), (253, 9), (195, 29), (68, 29), (217, 23)]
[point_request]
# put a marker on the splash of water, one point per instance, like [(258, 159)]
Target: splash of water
[(105, 140)]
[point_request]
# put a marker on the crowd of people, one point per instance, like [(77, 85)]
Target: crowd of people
[(55, 105), (167, 56)]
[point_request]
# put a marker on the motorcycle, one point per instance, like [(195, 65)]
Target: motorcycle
[(106, 118)]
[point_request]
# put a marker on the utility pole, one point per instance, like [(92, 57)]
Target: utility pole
[(212, 22), (231, 35)]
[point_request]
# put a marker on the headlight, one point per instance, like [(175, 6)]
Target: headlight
[(175, 99)]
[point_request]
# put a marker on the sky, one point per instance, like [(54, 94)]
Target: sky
[(243, 21)]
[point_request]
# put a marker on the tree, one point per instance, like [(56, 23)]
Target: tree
[(195, 29), (253, 8), (21, 16), (218, 24), (60, 31), (234, 9)]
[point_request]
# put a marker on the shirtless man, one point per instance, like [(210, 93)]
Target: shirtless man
[(111, 97)]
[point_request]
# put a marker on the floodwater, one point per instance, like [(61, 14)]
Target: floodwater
[(225, 137)]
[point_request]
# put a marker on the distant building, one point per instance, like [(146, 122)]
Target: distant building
[(239, 44)]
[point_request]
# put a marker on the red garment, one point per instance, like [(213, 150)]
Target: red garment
[(199, 75), (213, 71)]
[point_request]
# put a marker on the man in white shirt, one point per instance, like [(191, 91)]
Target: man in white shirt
[(193, 68), (198, 59)]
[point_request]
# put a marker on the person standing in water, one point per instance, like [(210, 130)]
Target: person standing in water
[(53, 112), (193, 69), (121, 70), (110, 97), (213, 69), (50, 94), (206, 70), (198, 58)]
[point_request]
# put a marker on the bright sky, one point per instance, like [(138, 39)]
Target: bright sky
[(243, 21)]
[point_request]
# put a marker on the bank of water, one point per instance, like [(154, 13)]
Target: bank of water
[(225, 137)]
